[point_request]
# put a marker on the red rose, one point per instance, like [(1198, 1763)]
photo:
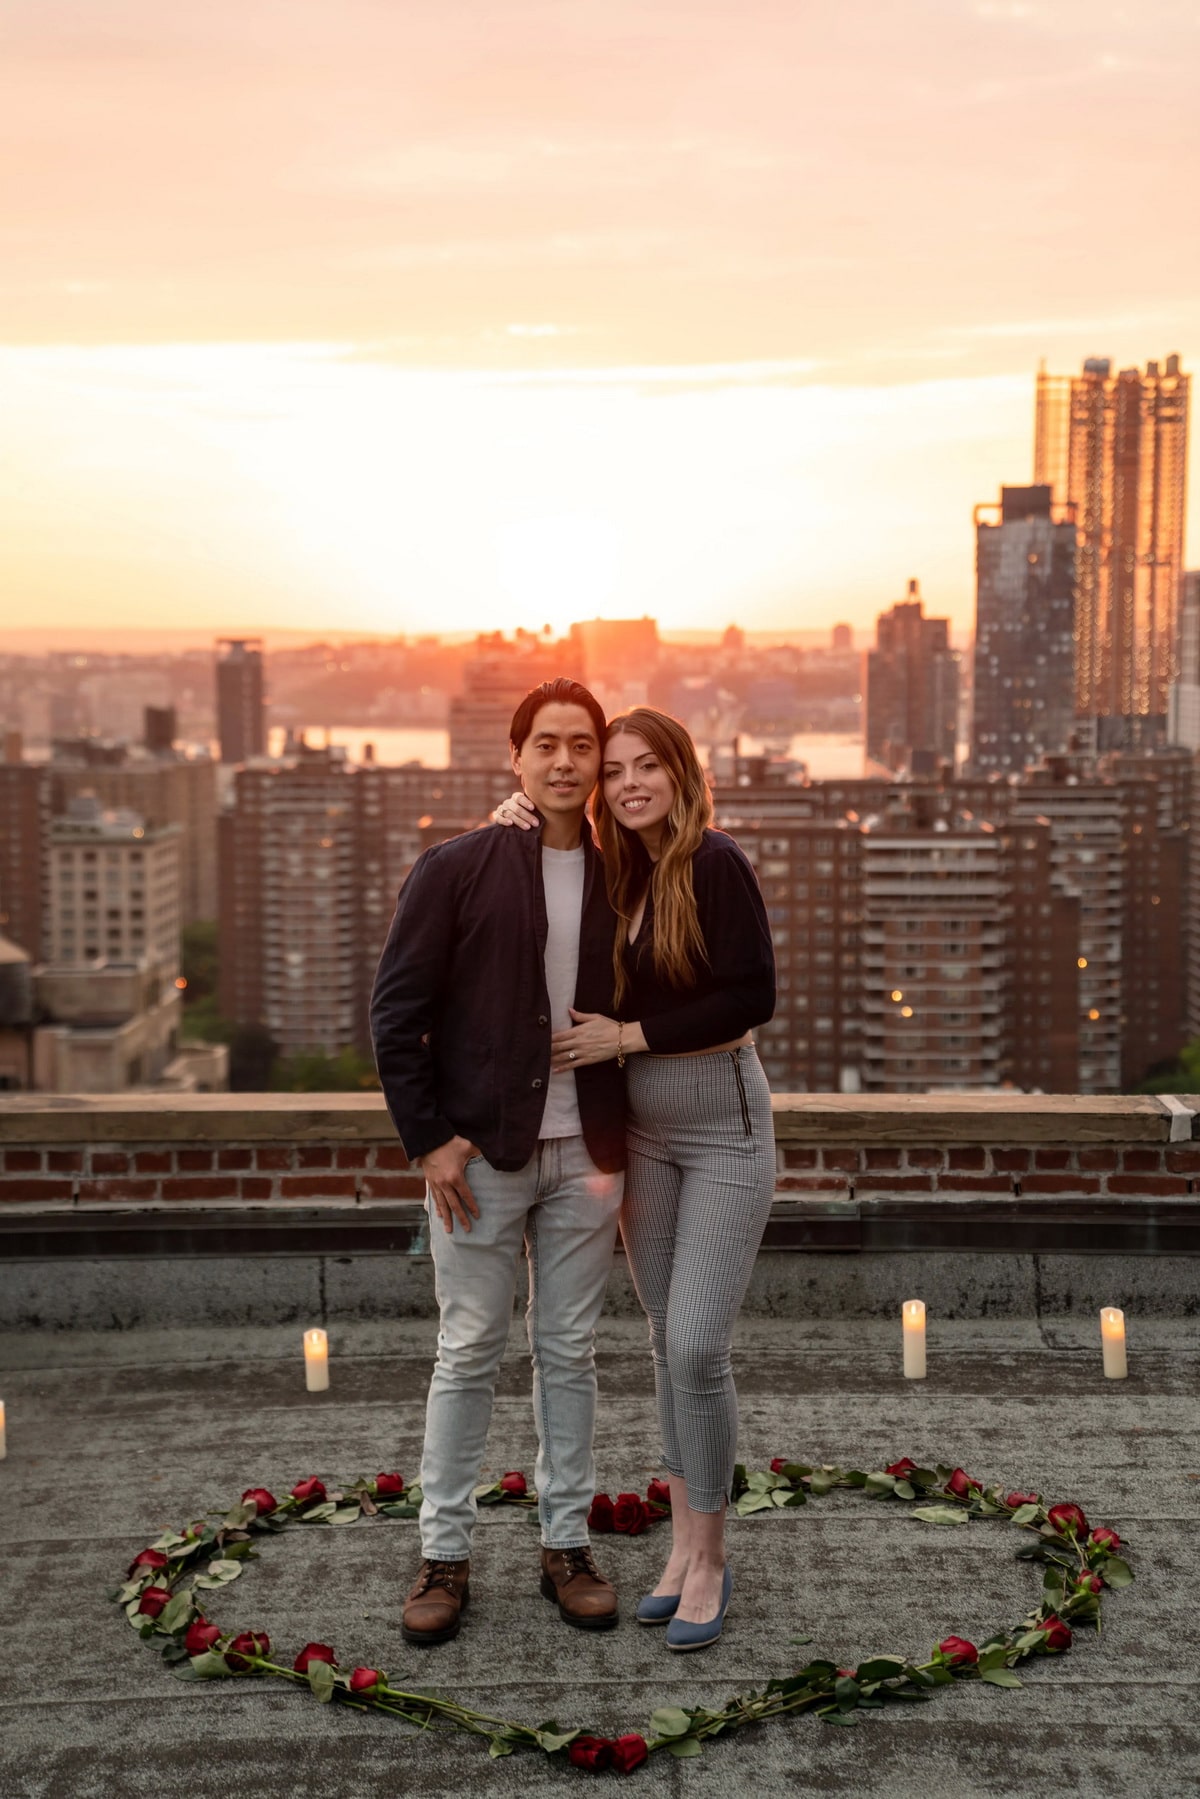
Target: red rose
[(1058, 1635), (513, 1483), (601, 1515), (901, 1468), (779, 1463), (629, 1752), (1092, 1582), (961, 1484), (153, 1600), (1108, 1539), (591, 1752), (309, 1492), (150, 1559), (1013, 1500), (200, 1637), (1068, 1519), (848, 1673), (389, 1486), (365, 1680), (631, 1515), (248, 1642), (314, 1652), (266, 1502), (957, 1650), (659, 1493)]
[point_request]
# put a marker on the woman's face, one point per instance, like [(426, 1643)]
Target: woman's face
[(637, 788)]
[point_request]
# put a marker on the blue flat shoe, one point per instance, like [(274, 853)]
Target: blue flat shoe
[(657, 1608), (682, 1635)]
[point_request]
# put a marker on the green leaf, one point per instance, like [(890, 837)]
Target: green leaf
[(683, 1747), (820, 1484), (210, 1666), (670, 1721), (219, 1574), (316, 1513), (905, 1490), (552, 1739), (799, 1639), (929, 1477), (752, 1501), (881, 1667), (1025, 1514), (1116, 1571), (176, 1614), (321, 1681), (940, 1514), (795, 1470), (781, 1496), (497, 1747), (240, 1515), (400, 1509), (345, 1514), (832, 1714), (999, 1677), (845, 1691), (239, 1552), (880, 1483), (797, 1497), (994, 1658), (490, 1489)]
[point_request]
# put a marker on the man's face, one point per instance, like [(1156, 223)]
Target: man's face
[(559, 762)]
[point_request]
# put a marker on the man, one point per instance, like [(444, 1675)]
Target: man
[(497, 933)]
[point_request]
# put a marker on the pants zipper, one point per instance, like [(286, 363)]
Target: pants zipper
[(737, 1069)]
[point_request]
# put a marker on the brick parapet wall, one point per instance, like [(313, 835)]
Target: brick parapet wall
[(223, 1151)]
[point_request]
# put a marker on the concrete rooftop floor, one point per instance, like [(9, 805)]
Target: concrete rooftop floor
[(115, 1436)]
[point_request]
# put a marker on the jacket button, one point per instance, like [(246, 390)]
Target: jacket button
[(537, 1083), (543, 1019)]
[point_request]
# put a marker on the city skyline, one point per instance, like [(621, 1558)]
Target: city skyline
[(731, 315)]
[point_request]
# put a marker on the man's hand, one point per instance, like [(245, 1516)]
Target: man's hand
[(445, 1170)]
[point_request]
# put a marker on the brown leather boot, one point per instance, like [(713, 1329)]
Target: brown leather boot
[(584, 1598), (434, 1607)]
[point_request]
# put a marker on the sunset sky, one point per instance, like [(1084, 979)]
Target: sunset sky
[(410, 315)]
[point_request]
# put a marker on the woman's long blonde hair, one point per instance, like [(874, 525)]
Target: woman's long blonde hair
[(678, 943)]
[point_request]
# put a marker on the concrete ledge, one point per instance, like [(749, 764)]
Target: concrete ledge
[(799, 1118)]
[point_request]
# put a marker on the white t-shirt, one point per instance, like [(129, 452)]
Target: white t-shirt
[(562, 882)]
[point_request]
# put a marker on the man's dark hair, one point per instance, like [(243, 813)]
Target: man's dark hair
[(560, 692)]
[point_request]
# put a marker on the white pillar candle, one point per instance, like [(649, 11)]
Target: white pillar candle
[(316, 1361), (1112, 1342), (913, 1314), (3, 1433)]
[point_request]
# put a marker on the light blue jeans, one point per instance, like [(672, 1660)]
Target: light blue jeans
[(564, 1211)]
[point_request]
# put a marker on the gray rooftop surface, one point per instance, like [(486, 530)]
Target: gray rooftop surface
[(114, 1436)]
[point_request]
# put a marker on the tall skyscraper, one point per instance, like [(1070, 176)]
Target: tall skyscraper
[(241, 708), (1183, 701), (1115, 446), (1024, 685), (912, 688)]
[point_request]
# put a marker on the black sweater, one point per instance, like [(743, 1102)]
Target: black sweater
[(737, 988)]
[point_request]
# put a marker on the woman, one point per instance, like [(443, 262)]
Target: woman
[(694, 970)]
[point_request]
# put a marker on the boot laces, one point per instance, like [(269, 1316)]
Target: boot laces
[(439, 1574), (579, 1561)]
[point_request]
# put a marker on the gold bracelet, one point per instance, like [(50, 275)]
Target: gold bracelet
[(620, 1050)]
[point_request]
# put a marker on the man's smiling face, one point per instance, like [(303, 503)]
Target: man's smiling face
[(559, 762)]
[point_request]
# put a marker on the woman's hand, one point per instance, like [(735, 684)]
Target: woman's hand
[(518, 809), (592, 1038)]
